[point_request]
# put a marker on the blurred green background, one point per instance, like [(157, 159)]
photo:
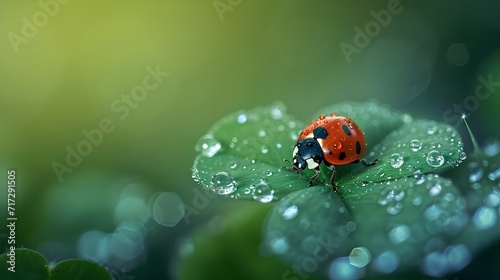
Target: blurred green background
[(64, 65)]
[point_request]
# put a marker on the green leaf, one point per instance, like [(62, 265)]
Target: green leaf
[(28, 264), (394, 214), (417, 148), (310, 223), (79, 270), (248, 147)]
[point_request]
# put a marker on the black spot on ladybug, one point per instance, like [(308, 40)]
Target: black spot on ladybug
[(346, 130), (358, 148), (342, 156), (320, 132)]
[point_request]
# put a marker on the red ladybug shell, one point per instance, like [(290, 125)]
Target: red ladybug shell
[(345, 142)]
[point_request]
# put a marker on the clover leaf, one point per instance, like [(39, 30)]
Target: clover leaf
[(25, 263), (383, 218)]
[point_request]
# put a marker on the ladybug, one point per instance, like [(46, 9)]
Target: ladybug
[(332, 140)]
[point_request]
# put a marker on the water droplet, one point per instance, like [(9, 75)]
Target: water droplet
[(289, 212), (493, 199), (396, 160), (435, 158), (417, 200), (415, 145), (264, 150), (406, 118), (241, 118), (223, 184), (278, 243), (494, 175), (394, 208), (485, 217), (233, 165), (276, 112), (476, 175), (399, 234), (386, 196), (434, 188), (492, 148), (399, 195), (359, 257), (208, 146), (268, 173), (462, 156), (432, 130), (278, 146), (263, 192), (262, 133), (419, 177), (386, 262)]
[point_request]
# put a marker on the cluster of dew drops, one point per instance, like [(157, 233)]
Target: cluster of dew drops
[(222, 182)]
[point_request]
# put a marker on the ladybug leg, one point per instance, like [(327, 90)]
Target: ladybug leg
[(314, 176), (332, 178)]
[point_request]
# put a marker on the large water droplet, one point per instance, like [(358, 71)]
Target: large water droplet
[(415, 145), (359, 257), (263, 192), (223, 184), (396, 160), (289, 212), (434, 158), (208, 146)]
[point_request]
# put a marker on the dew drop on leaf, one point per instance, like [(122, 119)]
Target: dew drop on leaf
[(290, 212), (242, 118), (208, 146), (278, 244), (263, 192), (434, 188), (223, 184), (434, 158), (462, 156), (415, 145), (359, 257), (396, 160)]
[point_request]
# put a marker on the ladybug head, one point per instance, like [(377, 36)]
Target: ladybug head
[(307, 153)]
